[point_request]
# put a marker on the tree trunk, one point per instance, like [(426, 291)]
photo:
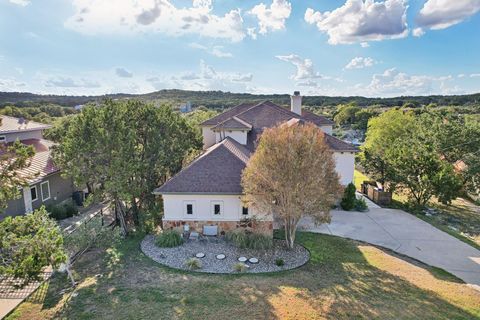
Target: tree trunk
[(69, 273), (290, 230), (135, 212), (121, 217)]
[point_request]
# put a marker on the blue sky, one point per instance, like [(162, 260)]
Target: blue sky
[(320, 47)]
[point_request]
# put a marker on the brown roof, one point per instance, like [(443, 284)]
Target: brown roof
[(227, 114), (233, 123), (41, 165), (11, 124), (315, 118), (217, 171)]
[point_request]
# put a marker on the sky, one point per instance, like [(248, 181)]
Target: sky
[(319, 47)]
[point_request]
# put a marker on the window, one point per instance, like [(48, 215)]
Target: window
[(3, 139), (33, 192), (45, 189), (188, 207), (245, 211), (217, 208)]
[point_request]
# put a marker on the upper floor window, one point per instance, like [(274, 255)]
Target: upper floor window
[(188, 207)]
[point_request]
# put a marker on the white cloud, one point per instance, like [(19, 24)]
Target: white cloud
[(461, 75), (272, 18), (12, 85), (475, 75), (22, 3), (305, 67), (418, 32), (395, 83), (217, 51), (441, 14), (361, 21), (123, 73), (206, 79), (252, 33), (364, 44), (360, 62), (156, 16), (69, 82)]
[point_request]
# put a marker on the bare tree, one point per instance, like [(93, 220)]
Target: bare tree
[(292, 174)]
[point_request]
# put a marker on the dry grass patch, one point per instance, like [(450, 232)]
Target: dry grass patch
[(343, 280)]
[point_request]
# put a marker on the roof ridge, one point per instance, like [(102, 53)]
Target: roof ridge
[(242, 121), (229, 110), (244, 151)]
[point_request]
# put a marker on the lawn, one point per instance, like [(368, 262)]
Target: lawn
[(344, 280)]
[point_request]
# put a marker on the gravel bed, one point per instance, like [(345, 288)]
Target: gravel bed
[(176, 257)]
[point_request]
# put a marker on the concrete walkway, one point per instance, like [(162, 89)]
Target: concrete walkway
[(405, 234)]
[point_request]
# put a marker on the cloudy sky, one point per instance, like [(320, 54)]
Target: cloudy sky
[(320, 47)]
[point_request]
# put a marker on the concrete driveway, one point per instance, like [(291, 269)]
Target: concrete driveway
[(405, 234)]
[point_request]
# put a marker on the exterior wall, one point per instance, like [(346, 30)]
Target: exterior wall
[(237, 135), (327, 129), (10, 137), (60, 190), (175, 208), (265, 227), (345, 166), (208, 137)]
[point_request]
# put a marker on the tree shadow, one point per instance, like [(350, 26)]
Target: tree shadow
[(337, 283)]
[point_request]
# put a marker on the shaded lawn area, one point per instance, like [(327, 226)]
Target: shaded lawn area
[(343, 280), (460, 219)]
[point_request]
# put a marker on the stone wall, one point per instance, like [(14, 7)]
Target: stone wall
[(265, 227)]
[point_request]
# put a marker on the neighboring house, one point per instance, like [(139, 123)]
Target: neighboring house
[(46, 186), (209, 191)]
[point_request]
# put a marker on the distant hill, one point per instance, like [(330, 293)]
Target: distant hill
[(219, 99)]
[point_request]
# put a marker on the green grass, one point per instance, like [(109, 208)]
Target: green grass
[(169, 239), (343, 280)]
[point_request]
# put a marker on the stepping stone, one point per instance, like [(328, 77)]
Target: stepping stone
[(242, 259), (200, 255), (253, 260), (220, 256)]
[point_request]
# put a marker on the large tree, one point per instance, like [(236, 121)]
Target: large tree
[(122, 150), (405, 152), (292, 174)]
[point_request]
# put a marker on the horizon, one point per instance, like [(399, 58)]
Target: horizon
[(91, 48)]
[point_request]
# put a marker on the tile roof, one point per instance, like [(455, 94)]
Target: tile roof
[(315, 118), (217, 171), (233, 123), (41, 165), (11, 124), (227, 114)]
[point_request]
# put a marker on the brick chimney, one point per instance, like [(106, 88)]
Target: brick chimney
[(296, 103)]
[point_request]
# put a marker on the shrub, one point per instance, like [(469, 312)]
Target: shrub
[(279, 262), (193, 264), (240, 267), (57, 212), (62, 211), (249, 240), (361, 205), (348, 200), (169, 239)]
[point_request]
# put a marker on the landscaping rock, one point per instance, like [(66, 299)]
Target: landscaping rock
[(242, 259), (175, 257), (253, 260), (200, 255), (221, 256)]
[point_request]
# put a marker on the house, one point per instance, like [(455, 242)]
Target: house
[(209, 191), (45, 185)]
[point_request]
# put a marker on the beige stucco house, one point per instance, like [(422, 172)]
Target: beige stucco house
[(209, 192)]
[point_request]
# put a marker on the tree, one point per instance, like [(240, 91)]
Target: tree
[(292, 174), (382, 134), (346, 114), (30, 243), (122, 150), (13, 158)]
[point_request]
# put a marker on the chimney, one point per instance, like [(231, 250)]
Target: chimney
[(296, 103)]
